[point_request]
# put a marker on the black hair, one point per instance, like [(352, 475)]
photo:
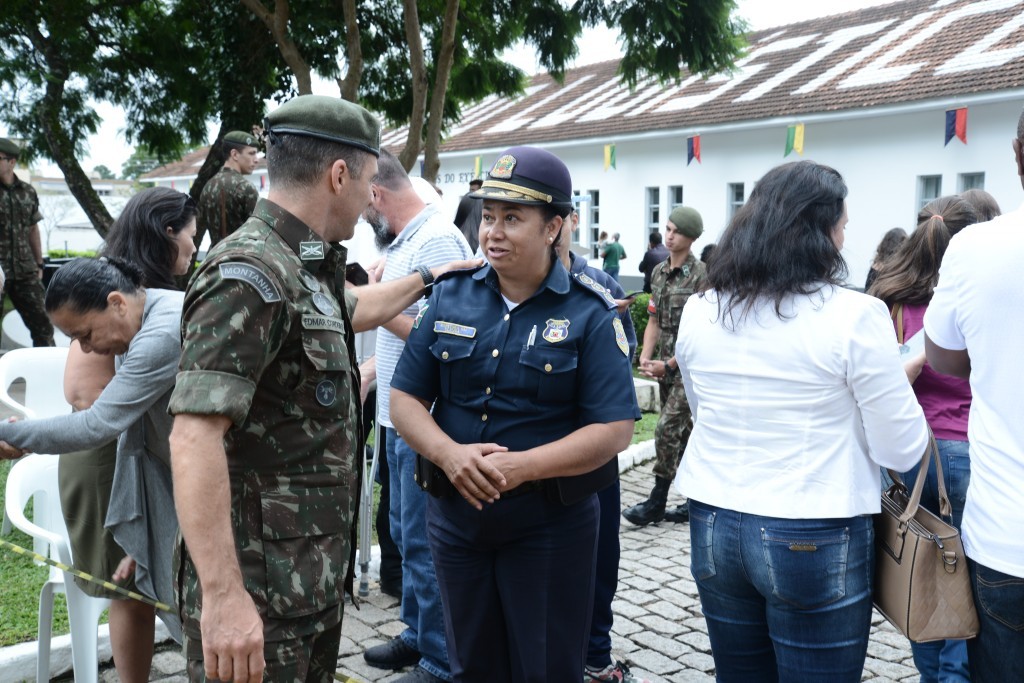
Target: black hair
[(297, 161), (390, 172), (984, 204), (84, 284), (655, 238), (548, 213), (780, 242), (707, 254), (139, 235)]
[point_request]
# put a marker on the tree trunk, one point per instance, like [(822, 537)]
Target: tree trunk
[(349, 85), (431, 162), (419, 86), (277, 23)]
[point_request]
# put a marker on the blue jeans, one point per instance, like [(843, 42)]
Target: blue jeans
[(997, 654), (944, 660), (421, 608), (613, 271), (784, 599)]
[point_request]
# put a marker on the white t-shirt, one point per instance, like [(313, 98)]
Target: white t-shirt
[(979, 306), (794, 416)]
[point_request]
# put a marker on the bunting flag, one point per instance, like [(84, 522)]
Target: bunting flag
[(609, 157), (263, 181), (692, 149), (172, 184), (795, 140), (478, 167), (956, 124)]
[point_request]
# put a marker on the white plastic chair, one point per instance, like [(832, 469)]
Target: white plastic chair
[(42, 369), (35, 477)]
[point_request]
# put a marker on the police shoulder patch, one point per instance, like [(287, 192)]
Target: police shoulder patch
[(254, 277), (620, 336)]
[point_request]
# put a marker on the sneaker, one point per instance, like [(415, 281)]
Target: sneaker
[(616, 671)]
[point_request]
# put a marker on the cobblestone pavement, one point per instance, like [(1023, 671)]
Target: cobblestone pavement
[(659, 630)]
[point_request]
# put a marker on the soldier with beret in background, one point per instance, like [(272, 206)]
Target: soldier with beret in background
[(515, 389), (673, 281), (228, 199), (267, 429), (21, 251)]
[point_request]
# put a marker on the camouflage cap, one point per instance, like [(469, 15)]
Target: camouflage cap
[(687, 221), (237, 137), (528, 175), (9, 148), (327, 118)]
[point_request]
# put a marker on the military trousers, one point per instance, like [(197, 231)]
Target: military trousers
[(27, 295), (312, 658), (674, 426)]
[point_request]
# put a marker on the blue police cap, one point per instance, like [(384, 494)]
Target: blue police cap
[(528, 175)]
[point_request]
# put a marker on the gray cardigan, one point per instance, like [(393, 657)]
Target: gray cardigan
[(133, 408)]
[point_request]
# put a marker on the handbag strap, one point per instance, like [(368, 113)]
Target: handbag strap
[(897, 316), (945, 509)]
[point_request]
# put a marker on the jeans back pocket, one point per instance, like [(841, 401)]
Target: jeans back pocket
[(806, 567), (702, 537)]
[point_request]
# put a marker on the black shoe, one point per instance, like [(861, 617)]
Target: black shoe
[(394, 654), (392, 588), (419, 675), (679, 515), (651, 510)]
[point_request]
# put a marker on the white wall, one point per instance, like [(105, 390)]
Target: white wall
[(880, 158)]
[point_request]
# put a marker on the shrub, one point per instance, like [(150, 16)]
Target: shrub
[(638, 312)]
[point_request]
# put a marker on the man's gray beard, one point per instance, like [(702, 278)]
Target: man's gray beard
[(382, 234)]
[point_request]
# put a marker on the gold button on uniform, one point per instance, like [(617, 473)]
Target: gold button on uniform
[(483, 417), (494, 353), (547, 367), (444, 355), (506, 316), (487, 391)]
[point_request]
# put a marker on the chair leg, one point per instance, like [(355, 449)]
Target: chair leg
[(45, 632), (83, 614)]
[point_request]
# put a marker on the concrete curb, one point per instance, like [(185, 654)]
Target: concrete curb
[(18, 662)]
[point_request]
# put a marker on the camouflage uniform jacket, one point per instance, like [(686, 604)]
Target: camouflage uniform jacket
[(226, 202), (19, 210), (268, 343), (670, 289)]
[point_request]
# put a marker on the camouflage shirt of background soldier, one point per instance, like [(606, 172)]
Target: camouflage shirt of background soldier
[(670, 289), (19, 210), (226, 202), (267, 338)]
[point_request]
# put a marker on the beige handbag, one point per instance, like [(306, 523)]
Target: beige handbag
[(921, 581)]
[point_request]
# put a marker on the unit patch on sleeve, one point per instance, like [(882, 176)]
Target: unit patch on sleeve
[(620, 337), (252, 276)]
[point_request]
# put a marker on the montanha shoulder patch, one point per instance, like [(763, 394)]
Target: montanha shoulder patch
[(252, 276)]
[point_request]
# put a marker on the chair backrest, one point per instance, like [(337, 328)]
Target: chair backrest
[(42, 369), (34, 477)]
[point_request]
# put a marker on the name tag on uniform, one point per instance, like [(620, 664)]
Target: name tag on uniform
[(442, 327), (322, 322)]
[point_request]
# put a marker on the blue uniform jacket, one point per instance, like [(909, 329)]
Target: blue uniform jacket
[(519, 378), (578, 265)]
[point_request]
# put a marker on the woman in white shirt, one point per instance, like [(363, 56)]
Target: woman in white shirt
[(798, 397)]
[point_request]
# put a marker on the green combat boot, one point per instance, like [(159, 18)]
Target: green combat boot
[(651, 510)]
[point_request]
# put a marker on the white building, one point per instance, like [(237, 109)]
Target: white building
[(871, 88)]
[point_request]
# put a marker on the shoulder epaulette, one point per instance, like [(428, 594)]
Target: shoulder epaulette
[(588, 283), (458, 273)]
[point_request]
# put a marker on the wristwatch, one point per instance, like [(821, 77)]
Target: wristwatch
[(428, 277)]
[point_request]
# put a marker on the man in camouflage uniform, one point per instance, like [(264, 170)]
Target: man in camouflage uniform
[(228, 198), (672, 283), (267, 429), (21, 253)]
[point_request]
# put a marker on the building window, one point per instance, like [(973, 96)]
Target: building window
[(929, 187), (653, 209), (577, 201), (675, 196), (735, 199), (971, 181), (595, 218)]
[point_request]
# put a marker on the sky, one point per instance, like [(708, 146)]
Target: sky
[(109, 148)]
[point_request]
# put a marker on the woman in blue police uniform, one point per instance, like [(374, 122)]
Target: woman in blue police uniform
[(527, 370)]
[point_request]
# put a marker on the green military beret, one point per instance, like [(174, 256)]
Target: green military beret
[(327, 118), (238, 137), (9, 148), (687, 221)]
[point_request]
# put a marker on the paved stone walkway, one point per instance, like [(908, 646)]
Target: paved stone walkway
[(659, 630)]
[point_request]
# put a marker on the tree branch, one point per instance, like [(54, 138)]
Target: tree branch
[(277, 23), (419, 85), (349, 85), (445, 59)]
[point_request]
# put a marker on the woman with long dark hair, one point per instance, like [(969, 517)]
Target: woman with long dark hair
[(905, 284), (797, 396), (888, 246)]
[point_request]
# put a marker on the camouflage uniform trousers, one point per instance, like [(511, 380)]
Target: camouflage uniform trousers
[(308, 658), (27, 295), (674, 427)]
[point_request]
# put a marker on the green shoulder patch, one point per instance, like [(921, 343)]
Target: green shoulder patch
[(252, 276)]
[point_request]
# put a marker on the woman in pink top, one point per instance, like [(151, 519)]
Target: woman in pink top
[(905, 284)]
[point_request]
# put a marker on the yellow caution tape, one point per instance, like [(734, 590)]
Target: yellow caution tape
[(346, 679), (87, 577)]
